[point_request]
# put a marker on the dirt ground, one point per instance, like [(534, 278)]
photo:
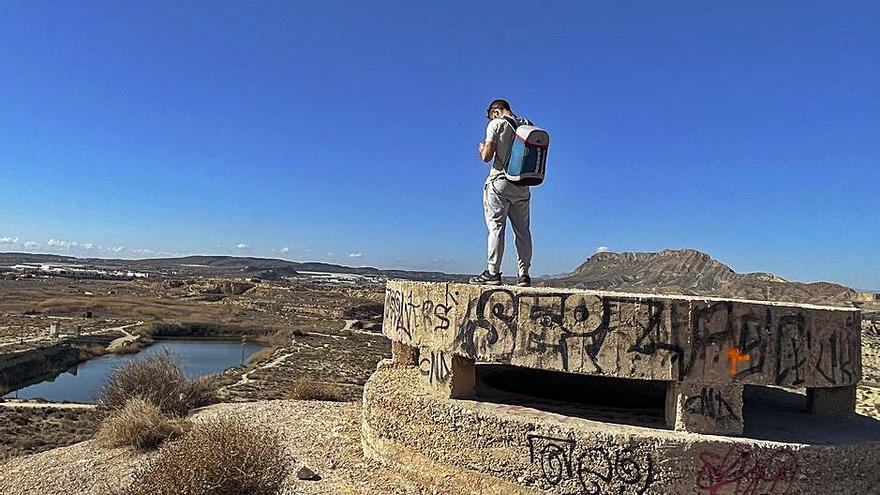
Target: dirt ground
[(30, 305), (868, 392), (317, 339), (324, 436), (37, 429), (306, 320)]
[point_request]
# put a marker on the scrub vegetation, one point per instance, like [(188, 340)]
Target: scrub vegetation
[(220, 457), (159, 379), (139, 424), (305, 389)]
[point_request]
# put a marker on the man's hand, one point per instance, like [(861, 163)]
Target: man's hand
[(480, 149)]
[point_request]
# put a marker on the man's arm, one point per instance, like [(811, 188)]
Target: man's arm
[(487, 147), (487, 150)]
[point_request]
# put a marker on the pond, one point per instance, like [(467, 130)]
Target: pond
[(199, 356)]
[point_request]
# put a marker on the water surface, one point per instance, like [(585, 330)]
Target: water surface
[(199, 356)]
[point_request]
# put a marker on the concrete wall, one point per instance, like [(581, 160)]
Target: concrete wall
[(20, 369), (658, 337), (469, 447)]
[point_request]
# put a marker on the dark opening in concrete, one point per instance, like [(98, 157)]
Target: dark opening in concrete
[(614, 400)]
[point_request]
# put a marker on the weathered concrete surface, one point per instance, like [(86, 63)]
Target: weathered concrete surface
[(471, 447), (707, 345), (705, 409), (654, 337)]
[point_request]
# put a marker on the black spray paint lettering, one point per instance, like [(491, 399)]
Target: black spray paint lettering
[(435, 367), (572, 329), (400, 312), (597, 470), (791, 357), (752, 342), (711, 404)]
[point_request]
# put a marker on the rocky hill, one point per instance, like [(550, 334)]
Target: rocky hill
[(687, 271)]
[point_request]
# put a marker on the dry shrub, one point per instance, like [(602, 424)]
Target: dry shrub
[(140, 424), (281, 338), (305, 389), (222, 457), (159, 379), (94, 350), (262, 355), (132, 347), (144, 331)]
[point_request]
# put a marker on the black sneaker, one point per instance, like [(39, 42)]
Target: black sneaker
[(487, 278), (524, 281)]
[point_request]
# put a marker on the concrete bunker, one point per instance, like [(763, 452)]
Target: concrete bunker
[(704, 349), (503, 372)]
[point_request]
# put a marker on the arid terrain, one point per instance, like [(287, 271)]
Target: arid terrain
[(319, 329), (321, 326)]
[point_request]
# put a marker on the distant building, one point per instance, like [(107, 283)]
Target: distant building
[(76, 271), (54, 329)]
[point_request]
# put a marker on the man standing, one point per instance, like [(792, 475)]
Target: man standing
[(503, 199)]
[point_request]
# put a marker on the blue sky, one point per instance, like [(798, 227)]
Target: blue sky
[(347, 131)]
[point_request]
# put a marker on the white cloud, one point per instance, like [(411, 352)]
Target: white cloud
[(60, 244), (355, 255), (94, 249), (243, 246), (9, 240), (284, 250), (602, 249)]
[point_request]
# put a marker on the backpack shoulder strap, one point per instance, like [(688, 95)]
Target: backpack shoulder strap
[(514, 124), (512, 121)]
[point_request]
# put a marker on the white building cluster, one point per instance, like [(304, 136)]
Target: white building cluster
[(75, 271)]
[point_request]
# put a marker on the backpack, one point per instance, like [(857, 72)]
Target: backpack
[(528, 154)]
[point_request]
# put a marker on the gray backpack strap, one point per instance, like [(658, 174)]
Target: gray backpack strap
[(513, 123)]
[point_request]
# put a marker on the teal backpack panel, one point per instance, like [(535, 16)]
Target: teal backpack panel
[(528, 156)]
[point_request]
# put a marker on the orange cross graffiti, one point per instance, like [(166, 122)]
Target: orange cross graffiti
[(734, 357)]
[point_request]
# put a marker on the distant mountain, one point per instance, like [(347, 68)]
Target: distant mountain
[(687, 271), (7, 259), (224, 265), (683, 271)]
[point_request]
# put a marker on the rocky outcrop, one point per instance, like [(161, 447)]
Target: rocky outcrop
[(228, 288), (687, 271)]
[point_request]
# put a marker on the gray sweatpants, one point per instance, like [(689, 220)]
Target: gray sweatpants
[(502, 200)]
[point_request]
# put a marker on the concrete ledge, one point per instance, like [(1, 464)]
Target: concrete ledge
[(641, 336), (466, 446)]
